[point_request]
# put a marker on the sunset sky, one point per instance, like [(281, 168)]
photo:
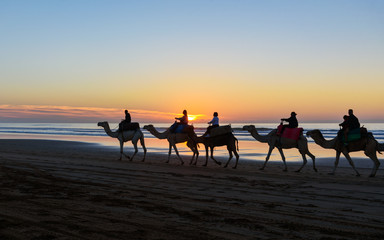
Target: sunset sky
[(251, 61)]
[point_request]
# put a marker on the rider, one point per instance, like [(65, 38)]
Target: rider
[(182, 121), (214, 122), (126, 121), (353, 122), (292, 121), (344, 124), (350, 122), (127, 117)]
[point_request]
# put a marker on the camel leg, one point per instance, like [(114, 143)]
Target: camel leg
[(304, 162), (134, 140), (217, 162), (230, 157), (177, 153), (121, 150), (136, 150), (212, 157), (336, 162), (267, 158), (143, 145), (313, 160), (206, 156), (283, 158), (195, 154), (376, 162), (237, 158), (346, 154), (169, 152), (193, 158), (196, 151)]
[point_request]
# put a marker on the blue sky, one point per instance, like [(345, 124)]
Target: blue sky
[(194, 54)]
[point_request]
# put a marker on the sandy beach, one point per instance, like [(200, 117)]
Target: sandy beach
[(73, 190)]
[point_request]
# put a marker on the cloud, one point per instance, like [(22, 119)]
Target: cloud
[(46, 113)]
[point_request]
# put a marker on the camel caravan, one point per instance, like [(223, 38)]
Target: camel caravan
[(350, 138)]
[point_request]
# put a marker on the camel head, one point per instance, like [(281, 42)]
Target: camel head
[(102, 124), (314, 134), (249, 127), (147, 127)]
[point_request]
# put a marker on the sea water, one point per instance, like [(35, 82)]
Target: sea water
[(249, 148)]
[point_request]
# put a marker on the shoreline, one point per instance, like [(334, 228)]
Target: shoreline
[(258, 154), (71, 190)]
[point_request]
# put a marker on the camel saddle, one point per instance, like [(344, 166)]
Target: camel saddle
[(220, 130), (180, 128), (355, 134), (291, 133), (125, 126)]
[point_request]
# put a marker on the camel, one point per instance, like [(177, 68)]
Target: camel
[(381, 146), (367, 144), (125, 136), (228, 140), (173, 139), (281, 143)]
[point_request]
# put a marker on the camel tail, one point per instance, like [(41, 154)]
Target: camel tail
[(379, 147), (237, 143)]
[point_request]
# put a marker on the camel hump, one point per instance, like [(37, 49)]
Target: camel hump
[(291, 133), (356, 134), (363, 131), (133, 126), (220, 130)]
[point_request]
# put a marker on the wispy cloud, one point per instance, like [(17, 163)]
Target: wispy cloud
[(46, 113)]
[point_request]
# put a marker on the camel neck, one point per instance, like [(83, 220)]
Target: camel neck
[(109, 132), (157, 134), (258, 137)]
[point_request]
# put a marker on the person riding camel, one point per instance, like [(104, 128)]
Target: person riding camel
[(182, 121), (214, 122), (124, 123), (353, 121), (127, 117), (350, 122), (292, 122), (344, 124)]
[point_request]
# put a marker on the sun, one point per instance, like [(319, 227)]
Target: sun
[(191, 117)]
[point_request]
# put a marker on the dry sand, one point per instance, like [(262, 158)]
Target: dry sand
[(72, 190)]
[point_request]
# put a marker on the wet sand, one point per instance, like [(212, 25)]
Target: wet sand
[(72, 190)]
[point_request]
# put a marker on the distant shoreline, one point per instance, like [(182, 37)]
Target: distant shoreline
[(41, 145)]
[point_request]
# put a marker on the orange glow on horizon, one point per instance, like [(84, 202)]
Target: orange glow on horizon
[(44, 113), (192, 117)]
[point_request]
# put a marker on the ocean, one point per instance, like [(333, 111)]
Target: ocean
[(250, 149)]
